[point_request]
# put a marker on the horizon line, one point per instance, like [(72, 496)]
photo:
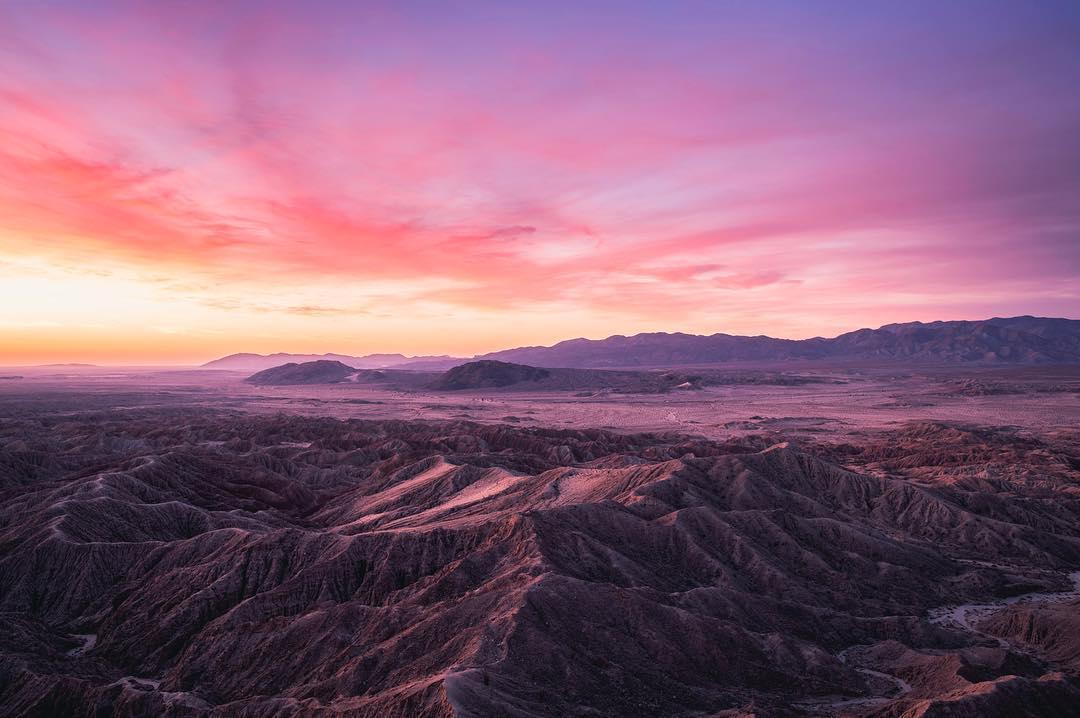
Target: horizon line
[(421, 357)]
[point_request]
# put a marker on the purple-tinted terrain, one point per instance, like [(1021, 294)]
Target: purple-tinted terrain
[(895, 540), (589, 359)]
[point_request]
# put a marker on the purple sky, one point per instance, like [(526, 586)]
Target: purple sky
[(180, 180)]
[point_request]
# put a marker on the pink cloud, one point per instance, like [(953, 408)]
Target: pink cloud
[(763, 177)]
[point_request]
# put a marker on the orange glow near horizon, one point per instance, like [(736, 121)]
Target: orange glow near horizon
[(407, 179)]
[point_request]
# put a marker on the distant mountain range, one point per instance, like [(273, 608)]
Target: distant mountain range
[(258, 362), (1000, 340), (1013, 340)]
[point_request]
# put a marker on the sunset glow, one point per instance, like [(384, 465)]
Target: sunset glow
[(180, 181)]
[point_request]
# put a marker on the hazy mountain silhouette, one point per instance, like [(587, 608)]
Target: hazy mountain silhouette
[(1016, 339), (999, 340), (257, 362)]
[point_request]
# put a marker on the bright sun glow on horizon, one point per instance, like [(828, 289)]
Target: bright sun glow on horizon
[(184, 181)]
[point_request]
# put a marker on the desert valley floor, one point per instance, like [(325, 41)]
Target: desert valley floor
[(801, 540)]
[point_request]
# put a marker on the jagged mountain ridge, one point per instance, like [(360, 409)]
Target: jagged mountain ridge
[(1016, 339), (191, 563)]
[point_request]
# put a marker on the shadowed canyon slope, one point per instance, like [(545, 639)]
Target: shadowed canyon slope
[(196, 562)]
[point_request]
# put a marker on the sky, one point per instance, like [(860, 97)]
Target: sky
[(180, 181)]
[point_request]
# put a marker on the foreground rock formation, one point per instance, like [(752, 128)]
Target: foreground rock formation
[(192, 563)]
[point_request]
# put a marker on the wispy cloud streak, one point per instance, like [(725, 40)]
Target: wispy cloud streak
[(767, 168)]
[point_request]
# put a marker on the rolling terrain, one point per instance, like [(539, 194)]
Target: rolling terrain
[(491, 375), (172, 558)]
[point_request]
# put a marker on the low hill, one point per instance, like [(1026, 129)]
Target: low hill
[(488, 374), (524, 378), (313, 372)]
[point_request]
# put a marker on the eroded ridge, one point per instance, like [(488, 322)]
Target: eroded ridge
[(181, 562)]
